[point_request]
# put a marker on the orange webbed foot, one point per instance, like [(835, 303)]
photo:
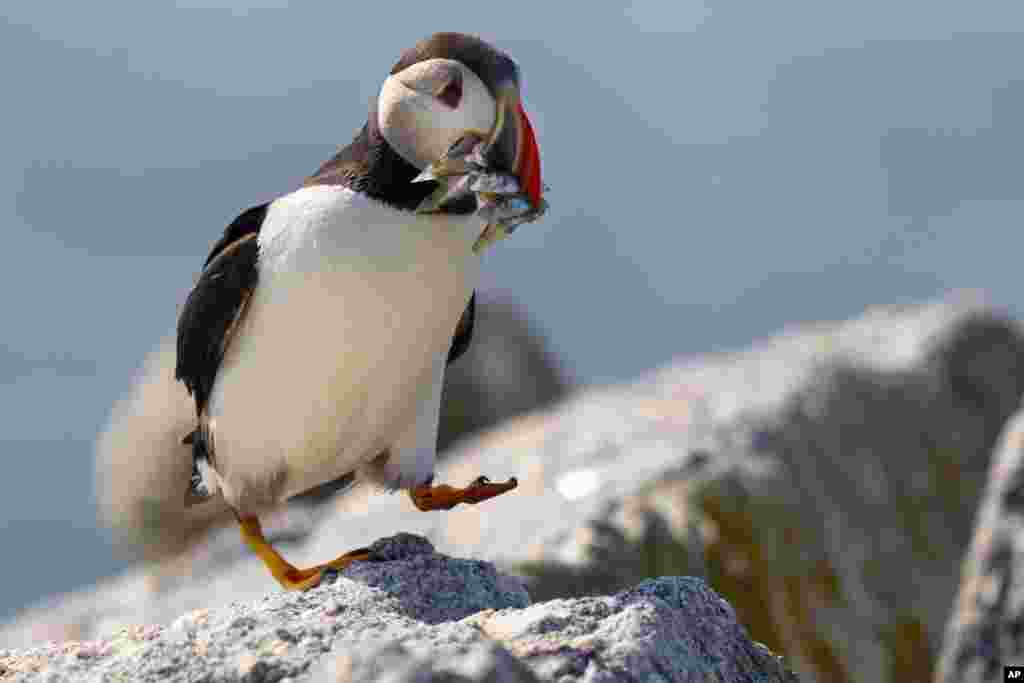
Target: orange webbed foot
[(290, 577), (427, 497)]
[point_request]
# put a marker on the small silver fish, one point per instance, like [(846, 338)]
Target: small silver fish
[(463, 171)]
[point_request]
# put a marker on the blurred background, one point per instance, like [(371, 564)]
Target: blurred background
[(718, 170)]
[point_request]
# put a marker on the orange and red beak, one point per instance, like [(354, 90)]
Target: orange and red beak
[(512, 145), (528, 168)]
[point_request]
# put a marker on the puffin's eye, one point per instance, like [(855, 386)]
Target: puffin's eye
[(451, 93)]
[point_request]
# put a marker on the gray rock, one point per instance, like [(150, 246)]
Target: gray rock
[(393, 662), (823, 481), (417, 616), (986, 630), (437, 588)]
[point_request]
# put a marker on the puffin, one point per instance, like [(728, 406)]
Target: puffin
[(315, 340)]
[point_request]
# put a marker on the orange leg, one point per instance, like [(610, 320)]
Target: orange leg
[(290, 577), (428, 497)]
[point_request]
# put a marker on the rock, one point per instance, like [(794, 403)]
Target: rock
[(823, 481), (142, 468), (419, 616), (986, 629), (508, 370), (395, 663)]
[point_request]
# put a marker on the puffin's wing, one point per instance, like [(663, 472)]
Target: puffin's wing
[(463, 331), (217, 303)]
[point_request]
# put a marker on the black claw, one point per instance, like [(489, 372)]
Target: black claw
[(366, 551), (513, 481), (481, 480)]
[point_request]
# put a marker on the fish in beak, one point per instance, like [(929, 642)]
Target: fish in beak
[(500, 167)]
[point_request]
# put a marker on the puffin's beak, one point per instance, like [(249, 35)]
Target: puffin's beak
[(511, 145)]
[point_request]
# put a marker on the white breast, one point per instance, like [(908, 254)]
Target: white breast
[(355, 303)]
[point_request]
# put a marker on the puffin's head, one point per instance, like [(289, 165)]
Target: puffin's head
[(452, 83)]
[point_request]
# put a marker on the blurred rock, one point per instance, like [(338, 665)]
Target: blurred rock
[(986, 629), (419, 616), (142, 468), (823, 481), (508, 370)]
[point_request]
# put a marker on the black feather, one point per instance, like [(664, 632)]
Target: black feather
[(463, 331), (212, 310)]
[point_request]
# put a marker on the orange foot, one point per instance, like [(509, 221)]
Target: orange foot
[(427, 497), (290, 577)]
